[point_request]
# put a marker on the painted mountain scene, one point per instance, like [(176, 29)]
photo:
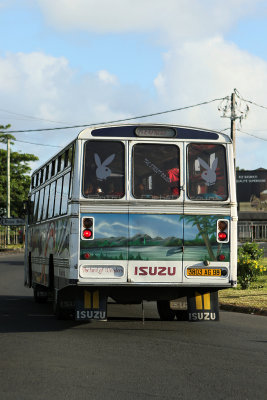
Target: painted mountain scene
[(153, 237)]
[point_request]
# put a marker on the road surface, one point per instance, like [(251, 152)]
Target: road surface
[(42, 358)]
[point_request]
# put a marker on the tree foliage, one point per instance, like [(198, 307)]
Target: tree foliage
[(19, 177)]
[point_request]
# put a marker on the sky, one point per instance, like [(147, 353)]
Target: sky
[(66, 62)]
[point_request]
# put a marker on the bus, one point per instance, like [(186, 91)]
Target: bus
[(133, 213)]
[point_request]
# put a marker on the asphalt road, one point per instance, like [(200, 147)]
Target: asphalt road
[(42, 358)]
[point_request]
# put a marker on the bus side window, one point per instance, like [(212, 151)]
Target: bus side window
[(46, 198), (31, 209), (66, 157), (58, 197), (36, 203), (65, 194), (40, 207), (51, 199)]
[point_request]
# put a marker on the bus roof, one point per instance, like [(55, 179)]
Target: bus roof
[(153, 131)]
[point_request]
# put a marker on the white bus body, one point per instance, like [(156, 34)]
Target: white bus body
[(134, 212)]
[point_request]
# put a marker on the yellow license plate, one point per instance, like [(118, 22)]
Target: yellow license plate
[(204, 272)]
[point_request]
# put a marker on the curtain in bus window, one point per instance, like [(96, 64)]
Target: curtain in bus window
[(51, 199), (207, 178), (58, 197), (40, 208), (65, 193), (156, 171), (104, 170), (46, 198)]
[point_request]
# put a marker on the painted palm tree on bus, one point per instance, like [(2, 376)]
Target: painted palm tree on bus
[(206, 225)]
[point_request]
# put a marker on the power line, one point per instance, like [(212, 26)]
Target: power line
[(250, 134), (118, 120), (38, 144), (30, 117), (248, 101)]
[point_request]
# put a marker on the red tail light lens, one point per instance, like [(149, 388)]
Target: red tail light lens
[(86, 256), (222, 236), (221, 257), (87, 233)]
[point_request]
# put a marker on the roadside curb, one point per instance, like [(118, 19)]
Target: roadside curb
[(5, 252), (245, 310)]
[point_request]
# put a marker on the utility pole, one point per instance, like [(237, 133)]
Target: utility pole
[(233, 118), (8, 188)]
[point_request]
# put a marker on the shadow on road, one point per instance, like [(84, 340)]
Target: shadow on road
[(22, 314)]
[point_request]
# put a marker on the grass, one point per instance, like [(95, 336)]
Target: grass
[(12, 247), (254, 298)]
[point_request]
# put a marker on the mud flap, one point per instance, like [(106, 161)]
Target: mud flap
[(90, 304), (203, 306)]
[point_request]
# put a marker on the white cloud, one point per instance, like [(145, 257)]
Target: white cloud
[(172, 19), (106, 77)]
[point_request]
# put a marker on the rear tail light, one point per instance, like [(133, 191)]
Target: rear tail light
[(223, 231), (87, 229)]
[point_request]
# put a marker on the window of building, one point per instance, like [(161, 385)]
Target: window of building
[(207, 177), (156, 171), (104, 171)]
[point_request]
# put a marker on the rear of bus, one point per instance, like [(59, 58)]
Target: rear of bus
[(157, 219)]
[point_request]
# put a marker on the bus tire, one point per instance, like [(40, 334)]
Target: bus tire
[(60, 313), (30, 270), (40, 298), (181, 315), (165, 311)]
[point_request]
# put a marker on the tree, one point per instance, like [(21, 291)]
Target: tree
[(19, 176)]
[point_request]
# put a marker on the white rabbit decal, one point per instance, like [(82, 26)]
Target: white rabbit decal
[(102, 171), (209, 175)]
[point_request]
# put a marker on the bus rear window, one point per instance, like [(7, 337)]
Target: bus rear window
[(207, 178), (104, 174), (156, 171)]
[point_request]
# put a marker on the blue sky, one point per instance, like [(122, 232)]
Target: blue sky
[(64, 62)]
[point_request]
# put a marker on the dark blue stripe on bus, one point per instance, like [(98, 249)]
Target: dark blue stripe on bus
[(129, 131)]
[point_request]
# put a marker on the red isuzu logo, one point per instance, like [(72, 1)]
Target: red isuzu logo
[(160, 271)]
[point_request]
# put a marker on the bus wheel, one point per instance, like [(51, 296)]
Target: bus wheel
[(40, 295), (181, 315), (165, 311), (60, 312)]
